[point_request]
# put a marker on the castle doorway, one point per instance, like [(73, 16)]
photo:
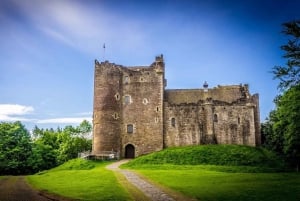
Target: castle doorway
[(129, 151)]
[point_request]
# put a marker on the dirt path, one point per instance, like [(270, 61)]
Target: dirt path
[(151, 191), (15, 188)]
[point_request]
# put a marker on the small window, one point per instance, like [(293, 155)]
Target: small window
[(239, 120), (127, 99), (126, 79), (129, 128), (215, 118), (157, 109), (173, 122), (117, 96), (116, 116), (142, 79), (145, 101)]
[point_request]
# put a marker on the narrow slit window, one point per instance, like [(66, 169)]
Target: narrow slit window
[(173, 122)]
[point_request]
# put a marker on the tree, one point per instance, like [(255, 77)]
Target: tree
[(15, 148), (289, 75), (270, 139), (287, 124)]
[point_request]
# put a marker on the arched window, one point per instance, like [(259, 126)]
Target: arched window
[(215, 118), (173, 122)]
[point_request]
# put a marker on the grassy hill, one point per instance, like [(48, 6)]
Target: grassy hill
[(245, 157)]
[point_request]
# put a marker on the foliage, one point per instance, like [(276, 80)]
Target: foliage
[(281, 131), (15, 148), (226, 155), (81, 180), (203, 184), (289, 75), (287, 124), (270, 139), (21, 153)]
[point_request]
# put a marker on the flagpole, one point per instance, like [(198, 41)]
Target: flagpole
[(104, 52)]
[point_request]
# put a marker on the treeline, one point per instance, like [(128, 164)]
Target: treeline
[(22, 152), (281, 131)]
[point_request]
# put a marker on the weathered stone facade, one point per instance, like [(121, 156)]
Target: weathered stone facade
[(134, 114)]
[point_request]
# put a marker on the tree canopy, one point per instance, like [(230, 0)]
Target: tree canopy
[(281, 132), (22, 153), (289, 75)]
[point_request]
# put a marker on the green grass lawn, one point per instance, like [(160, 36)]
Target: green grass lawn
[(220, 172), (208, 185), (81, 180)]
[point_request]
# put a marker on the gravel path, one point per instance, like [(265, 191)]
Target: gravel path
[(151, 191)]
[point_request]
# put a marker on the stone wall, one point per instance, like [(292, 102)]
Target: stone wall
[(222, 115)]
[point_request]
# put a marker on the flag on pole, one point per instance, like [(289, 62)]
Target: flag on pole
[(104, 45)]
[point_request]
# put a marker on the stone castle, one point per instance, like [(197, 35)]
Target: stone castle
[(134, 114)]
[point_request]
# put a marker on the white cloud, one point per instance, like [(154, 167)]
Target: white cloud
[(14, 112), (67, 120)]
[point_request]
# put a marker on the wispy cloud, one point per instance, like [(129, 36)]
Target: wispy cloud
[(15, 112), (81, 25)]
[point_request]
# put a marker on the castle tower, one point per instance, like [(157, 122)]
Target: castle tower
[(128, 108), (142, 112), (107, 108)]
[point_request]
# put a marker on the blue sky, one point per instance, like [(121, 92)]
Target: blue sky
[(47, 49)]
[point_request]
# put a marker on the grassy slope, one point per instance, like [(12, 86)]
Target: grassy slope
[(184, 169), (225, 155), (81, 180)]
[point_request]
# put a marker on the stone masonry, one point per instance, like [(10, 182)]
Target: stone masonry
[(134, 114)]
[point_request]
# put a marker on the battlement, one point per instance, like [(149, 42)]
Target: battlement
[(229, 94)]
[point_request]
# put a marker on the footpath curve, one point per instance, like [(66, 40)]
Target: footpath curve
[(151, 191)]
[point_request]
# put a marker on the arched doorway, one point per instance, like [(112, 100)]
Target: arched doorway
[(129, 151)]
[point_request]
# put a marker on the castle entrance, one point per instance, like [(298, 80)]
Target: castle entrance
[(129, 151)]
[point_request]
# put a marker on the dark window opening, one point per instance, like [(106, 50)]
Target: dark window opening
[(215, 118), (173, 122)]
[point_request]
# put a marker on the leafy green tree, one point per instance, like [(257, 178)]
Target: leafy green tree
[(15, 148), (270, 139), (289, 75), (287, 124), (73, 141), (43, 157)]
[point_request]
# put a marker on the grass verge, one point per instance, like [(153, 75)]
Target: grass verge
[(81, 180), (209, 185)]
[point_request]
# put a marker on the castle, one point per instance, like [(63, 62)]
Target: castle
[(134, 114)]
